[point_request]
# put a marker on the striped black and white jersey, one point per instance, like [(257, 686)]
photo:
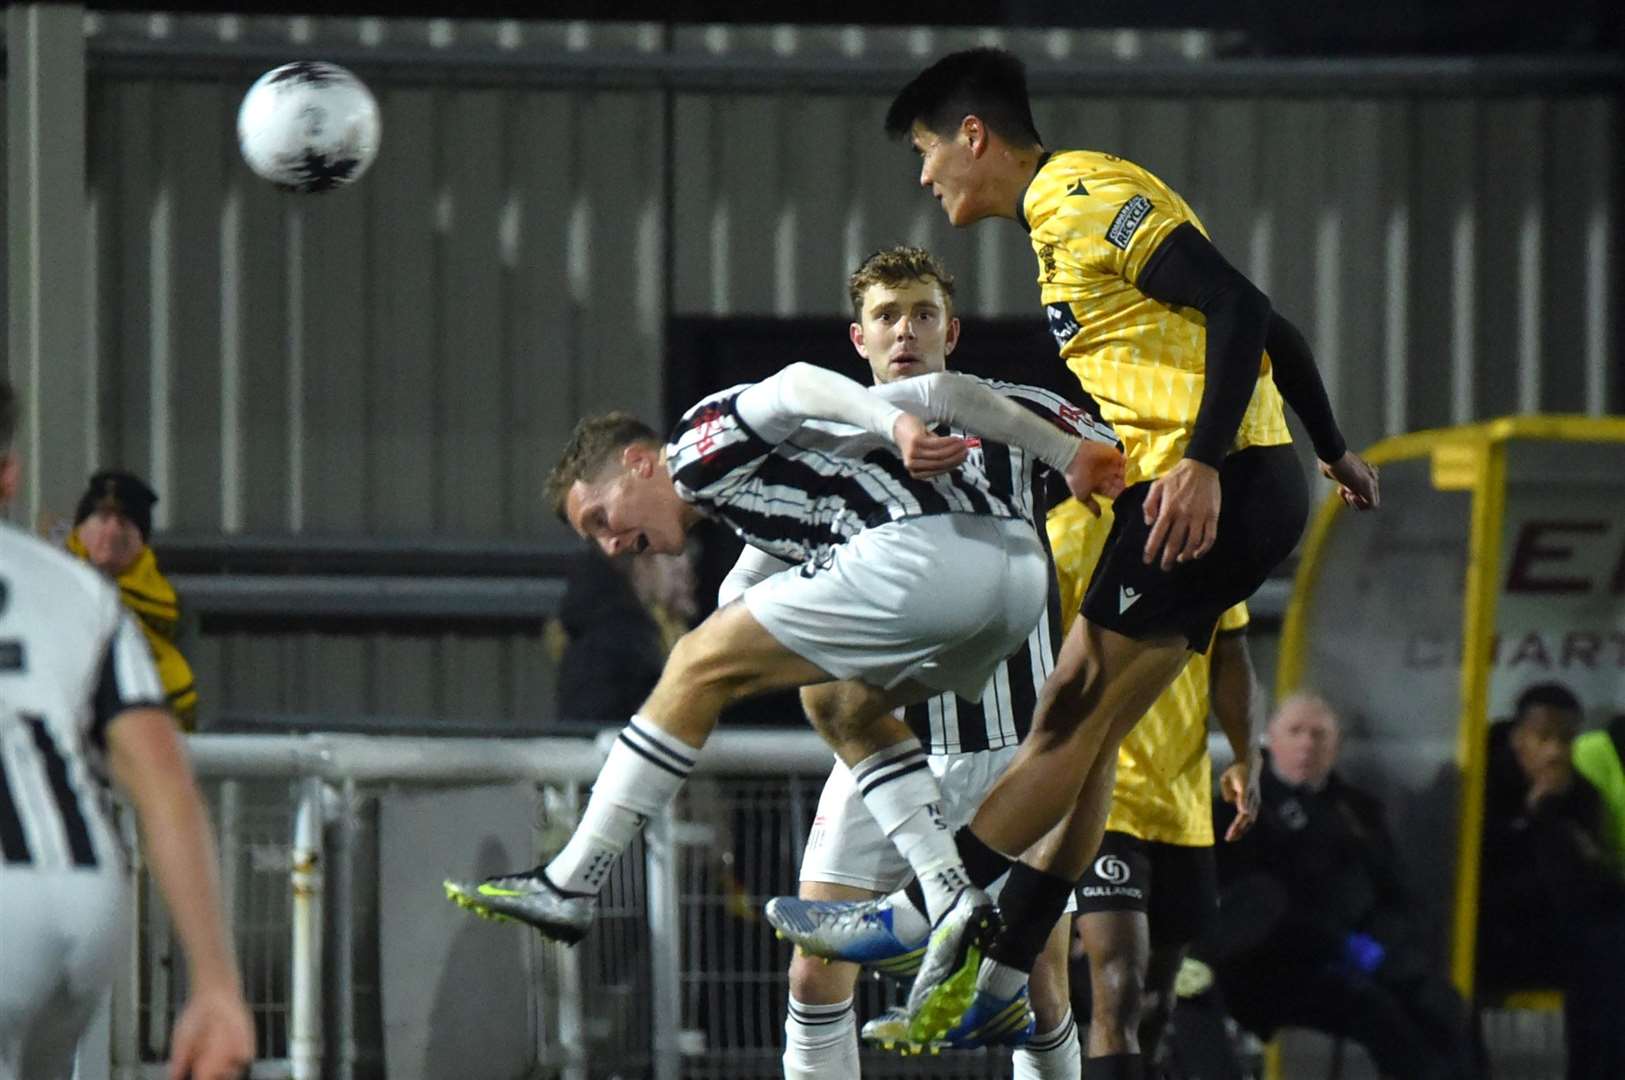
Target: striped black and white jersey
[(947, 723), (800, 498), (71, 659)]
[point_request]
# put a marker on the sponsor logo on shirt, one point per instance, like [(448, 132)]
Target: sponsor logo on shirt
[(1111, 870), (1062, 326), (1093, 891), (1127, 221)]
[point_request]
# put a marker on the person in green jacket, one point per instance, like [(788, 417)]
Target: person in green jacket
[(1599, 756)]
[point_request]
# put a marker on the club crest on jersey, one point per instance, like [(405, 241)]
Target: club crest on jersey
[(1127, 221), (709, 424), (1062, 325)]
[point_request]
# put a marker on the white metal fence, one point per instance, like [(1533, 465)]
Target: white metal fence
[(679, 977)]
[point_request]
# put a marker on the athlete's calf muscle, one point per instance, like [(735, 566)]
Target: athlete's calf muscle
[(814, 980)]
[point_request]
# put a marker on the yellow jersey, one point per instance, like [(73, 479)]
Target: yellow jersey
[(1094, 220), (1164, 789)]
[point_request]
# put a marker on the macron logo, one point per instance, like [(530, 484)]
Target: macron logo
[(1126, 598)]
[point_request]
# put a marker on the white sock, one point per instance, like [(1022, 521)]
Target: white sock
[(999, 980), (820, 1041), (904, 799), (908, 922), (1051, 1055), (640, 777)]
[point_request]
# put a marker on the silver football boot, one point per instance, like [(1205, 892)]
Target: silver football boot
[(529, 898)]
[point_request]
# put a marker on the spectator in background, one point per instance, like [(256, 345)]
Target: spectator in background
[(1599, 756), (1551, 901), (1315, 928), (111, 528), (617, 622)]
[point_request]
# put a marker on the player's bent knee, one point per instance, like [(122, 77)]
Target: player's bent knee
[(702, 663), (838, 711), (814, 982)]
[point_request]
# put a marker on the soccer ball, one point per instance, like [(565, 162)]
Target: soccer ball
[(308, 126)]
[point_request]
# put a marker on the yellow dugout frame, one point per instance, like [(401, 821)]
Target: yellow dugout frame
[(1468, 458)]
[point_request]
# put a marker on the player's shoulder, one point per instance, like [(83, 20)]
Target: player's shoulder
[(1076, 178), (712, 404), (48, 572)]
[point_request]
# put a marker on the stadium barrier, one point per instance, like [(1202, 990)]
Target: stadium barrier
[(679, 978)]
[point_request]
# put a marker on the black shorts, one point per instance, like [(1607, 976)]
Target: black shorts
[(1175, 886), (1264, 502)]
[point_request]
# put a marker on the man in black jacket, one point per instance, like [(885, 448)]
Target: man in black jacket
[(1315, 928), (1551, 902)]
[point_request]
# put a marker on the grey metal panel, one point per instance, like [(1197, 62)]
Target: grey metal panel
[(1582, 194), (122, 171), (409, 356), (405, 307), (1509, 182), (196, 156), (621, 181), (545, 338), (408, 674), (1443, 142), (262, 489), (332, 362), (471, 373), (1350, 266)]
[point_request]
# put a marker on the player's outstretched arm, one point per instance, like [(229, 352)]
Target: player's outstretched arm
[(214, 1037), (775, 407), (779, 404), (1298, 378), (1092, 465)]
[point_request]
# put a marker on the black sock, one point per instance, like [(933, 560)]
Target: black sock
[(982, 863), (1114, 1067), (1031, 903), (983, 866)]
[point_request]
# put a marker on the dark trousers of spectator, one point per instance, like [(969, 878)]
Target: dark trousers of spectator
[(1585, 960), (1415, 1028)]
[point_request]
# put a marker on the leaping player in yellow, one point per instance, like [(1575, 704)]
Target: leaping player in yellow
[(1189, 362)]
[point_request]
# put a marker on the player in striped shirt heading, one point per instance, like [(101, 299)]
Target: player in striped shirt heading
[(903, 324), (79, 700), (873, 507)]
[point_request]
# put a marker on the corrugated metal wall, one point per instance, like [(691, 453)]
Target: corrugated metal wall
[(407, 356)]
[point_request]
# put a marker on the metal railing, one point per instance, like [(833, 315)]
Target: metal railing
[(679, 977)]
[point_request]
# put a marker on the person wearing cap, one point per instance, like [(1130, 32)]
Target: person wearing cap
[(111, 527)]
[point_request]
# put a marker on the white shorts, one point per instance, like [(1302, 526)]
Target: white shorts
[(846, 846), (941, 600), (60, 935)]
